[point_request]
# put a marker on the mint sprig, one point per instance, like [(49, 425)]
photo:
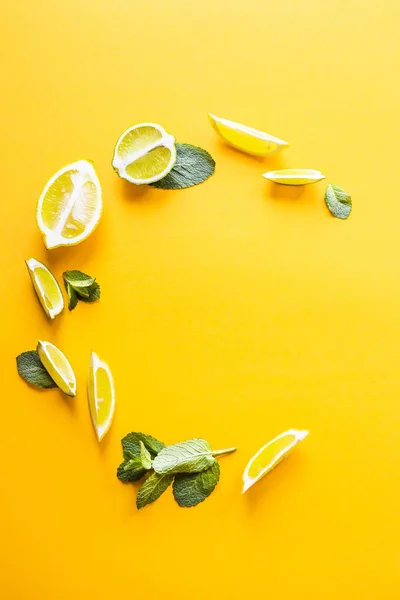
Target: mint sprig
[(80, 286), (193, 166), (190, 465), (31, 369)]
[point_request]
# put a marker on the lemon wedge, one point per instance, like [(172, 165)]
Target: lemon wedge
[(270, 455), (58, 367), (144, 153), (70, 205), (101, 396), (46, 287), (294, 176), (246, 138)]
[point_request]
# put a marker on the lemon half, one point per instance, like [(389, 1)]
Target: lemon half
[(144, 153), (70, 205)]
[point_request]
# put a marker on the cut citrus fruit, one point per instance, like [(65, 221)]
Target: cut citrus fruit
[(144, 153), (270, 455), (70, 205), (294, 176), (101, 396), (46, 287), (58, 367), (246, 138)]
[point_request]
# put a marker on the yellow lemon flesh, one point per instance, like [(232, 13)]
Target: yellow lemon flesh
[(294, 176), (101, 396), (270, 455), (144, 153), (46, 287), (246, 138), (58, 367), (70, 205)]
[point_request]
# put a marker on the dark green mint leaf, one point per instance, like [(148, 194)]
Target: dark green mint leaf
[(31, 369), (152, 489), (191, 456), (192, 488), (193, 165), (131, 446), (338, 201), (131, 470), (72, 297)]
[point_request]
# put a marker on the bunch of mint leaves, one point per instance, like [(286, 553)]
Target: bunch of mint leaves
[(190, 466), (80, 287)]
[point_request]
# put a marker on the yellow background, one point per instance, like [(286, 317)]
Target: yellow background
[(230, 311)]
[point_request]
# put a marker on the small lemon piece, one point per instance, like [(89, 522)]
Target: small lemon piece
[(58, 367), (46, 287), (101, 396), (246, 138), (270, 455), (294, 176)]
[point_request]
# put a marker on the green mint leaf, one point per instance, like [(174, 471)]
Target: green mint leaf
[(193, 165), (131, 470), (152, 488), (192, 488), (145, 456), (31, 369), (191, 456), (78, 279), (72, 297), (131, 446), (93, 293), (338, 201)]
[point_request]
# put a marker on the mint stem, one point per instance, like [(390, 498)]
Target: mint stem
[(226, 451)]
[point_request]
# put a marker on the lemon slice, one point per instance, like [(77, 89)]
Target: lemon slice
[(294, 176), (70, 205), (270, 455), (46, 287), (144, 153), (101, 396), (58, 367), (246, 138)]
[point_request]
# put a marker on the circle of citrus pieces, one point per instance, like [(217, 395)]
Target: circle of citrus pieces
[(70, 205), (46, 287), (246, 138), (144, 153), (270, 455), (101, 396), (58, 367)]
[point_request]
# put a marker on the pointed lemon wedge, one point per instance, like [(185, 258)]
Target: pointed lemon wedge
[(246, 138), (144, 153), (58, 367), (294, 176), (70, 205), (101, 396), (270, 455), (46, 287)]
